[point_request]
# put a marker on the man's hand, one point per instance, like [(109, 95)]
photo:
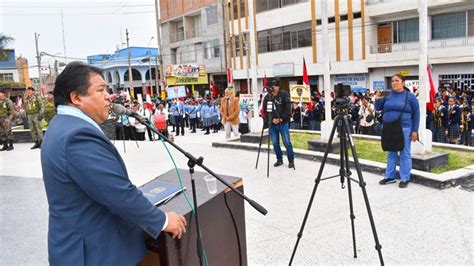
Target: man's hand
[(414, 136), (176, 225), (276, 121)]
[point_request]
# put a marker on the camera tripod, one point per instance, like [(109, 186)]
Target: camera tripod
[(341, 123)]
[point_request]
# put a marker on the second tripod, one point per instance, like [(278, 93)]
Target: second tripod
[(341, 123)]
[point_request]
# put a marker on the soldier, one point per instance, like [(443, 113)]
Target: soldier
[(34, 110), (49, 109), (6, 114)]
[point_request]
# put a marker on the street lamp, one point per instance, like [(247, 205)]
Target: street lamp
[(149, 64)]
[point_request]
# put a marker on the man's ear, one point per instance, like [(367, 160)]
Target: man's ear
[(76, 98)]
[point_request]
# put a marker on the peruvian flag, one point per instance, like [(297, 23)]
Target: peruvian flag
[(306, 82), (148, 102), (230, 77), (430, 102), (214, 89)]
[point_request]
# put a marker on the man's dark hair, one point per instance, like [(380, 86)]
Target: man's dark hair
[(75, 77)]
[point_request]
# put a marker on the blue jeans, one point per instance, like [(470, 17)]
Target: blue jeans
[(405, 159), (284, 130), (315, 125)]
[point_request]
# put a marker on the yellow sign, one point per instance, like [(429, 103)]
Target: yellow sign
[(404, 72), (300, 93), (173, 81)]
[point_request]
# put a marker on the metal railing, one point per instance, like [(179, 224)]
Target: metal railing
[(410, 46), (193, 32), (177, 36)]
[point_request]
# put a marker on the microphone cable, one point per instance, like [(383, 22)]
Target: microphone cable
[(186, 196)]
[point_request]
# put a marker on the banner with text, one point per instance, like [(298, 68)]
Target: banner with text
[(190, 71)]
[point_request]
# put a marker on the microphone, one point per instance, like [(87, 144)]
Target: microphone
[(119, 109)]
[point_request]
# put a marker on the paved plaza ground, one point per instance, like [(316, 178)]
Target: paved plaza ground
[(416, 225)]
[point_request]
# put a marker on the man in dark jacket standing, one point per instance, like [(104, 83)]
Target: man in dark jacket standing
[(280, 122)]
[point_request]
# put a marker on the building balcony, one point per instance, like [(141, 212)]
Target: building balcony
[(439, 51), (193, 32), (177, 36)]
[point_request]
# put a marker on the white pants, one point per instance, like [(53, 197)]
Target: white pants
[(228, 127)]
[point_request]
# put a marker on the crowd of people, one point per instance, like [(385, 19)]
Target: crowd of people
[(450, 121)]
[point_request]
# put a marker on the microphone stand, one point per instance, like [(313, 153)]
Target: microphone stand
[(193, 161)]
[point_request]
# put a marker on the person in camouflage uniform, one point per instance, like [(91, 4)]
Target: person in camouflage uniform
[(6, 114), (49, 108), (34, 110)]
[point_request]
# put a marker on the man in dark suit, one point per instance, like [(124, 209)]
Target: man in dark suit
[(96, 215)]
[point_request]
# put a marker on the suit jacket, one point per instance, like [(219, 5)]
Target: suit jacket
[(230, 110), (96, 215)]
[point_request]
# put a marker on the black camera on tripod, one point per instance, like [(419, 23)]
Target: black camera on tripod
[(342, 92)]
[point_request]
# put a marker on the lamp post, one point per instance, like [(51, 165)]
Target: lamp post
[(247, 54), (149, 65)]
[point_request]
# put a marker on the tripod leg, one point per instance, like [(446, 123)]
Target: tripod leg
[(349, 187), (362, 184), (260, 146), (268, 153), (317, 180)]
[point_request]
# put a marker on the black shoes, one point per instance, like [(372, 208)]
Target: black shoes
[(278, 163), (5, 145), (10, 145), (291, 165), (387, 181), (36, 146), (403, 184)]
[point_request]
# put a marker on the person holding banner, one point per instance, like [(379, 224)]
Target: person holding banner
[(230, 110)]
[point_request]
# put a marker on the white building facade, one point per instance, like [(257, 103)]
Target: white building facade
[(367, 42)]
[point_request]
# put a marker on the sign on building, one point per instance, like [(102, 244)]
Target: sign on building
[(189, 71), (379, 85), (357, 82), (284, 70)]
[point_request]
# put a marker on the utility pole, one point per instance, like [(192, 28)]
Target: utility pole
[(38, 59), (130, 76), (64, 36), (423, 134), (225, 23), (158, 38), (327, 124), (256, 123)]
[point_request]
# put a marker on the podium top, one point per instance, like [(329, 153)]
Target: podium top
[(178, 204)]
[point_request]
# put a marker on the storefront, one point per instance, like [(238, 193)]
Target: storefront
[(358, 82), (193, 77)]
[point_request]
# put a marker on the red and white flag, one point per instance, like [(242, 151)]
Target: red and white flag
[(306, 82), (230, 77), (430, 100)]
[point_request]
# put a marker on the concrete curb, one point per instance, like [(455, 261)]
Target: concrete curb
[(439, 181)]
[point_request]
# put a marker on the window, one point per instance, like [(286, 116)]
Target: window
[(470, 23), (285, 38), (237, 44), (188, 54), (264, 5), (242, 9), (6, 76), (405, 30), (447, 26), (212, 49), (212, 15)]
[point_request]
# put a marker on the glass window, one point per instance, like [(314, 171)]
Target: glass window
[(408, 30), (263, 42), (304, 38), (446, 26), (470, 23), (395, 31), (212, 15), (276, 39), (287, 2), (212, 49), (286, 40)]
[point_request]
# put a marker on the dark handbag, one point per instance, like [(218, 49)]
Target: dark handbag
[(369, 118), (392, 133)]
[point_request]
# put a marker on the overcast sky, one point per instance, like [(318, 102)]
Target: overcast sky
[(91, 27)]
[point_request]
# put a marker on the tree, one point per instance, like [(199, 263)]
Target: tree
[(4, 42)]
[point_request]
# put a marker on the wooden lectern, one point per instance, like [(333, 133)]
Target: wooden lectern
[(222, 222)]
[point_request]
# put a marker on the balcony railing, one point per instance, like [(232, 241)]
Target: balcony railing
[(176, 37), (193, 32), (410, 46)]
